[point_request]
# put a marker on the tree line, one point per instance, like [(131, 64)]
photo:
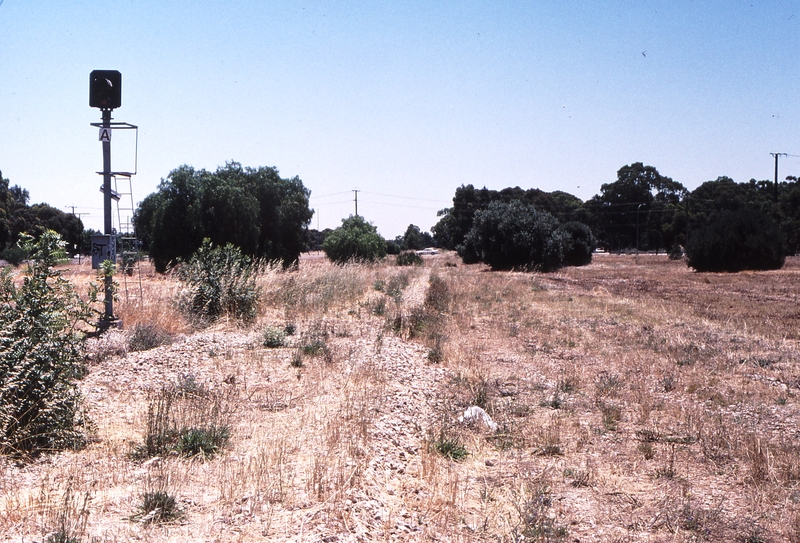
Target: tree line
[(721, 225), (18, 217)]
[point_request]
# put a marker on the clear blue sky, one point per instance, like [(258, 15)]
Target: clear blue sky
[(404, 101)]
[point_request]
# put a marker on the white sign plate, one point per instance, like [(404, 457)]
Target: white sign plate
[(105, 135)]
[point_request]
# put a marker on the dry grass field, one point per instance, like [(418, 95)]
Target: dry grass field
[(634, 401)]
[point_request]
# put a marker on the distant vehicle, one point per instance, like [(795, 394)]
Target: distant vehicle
[(428, 251)]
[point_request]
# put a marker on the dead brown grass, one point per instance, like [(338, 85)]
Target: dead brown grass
[(634, 402)]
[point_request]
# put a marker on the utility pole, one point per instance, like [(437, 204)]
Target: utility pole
[(637, 231), (355, 192), (776, 155)]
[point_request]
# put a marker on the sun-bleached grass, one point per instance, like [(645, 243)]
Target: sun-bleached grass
[(634, 402)]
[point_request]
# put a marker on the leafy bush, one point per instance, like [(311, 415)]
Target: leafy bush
[(14, 255), (514, 236), (578, 245), (356, 240), (731, 241), (220, 281), (41, 354), (409, 258)]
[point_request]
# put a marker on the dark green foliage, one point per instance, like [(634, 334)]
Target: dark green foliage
[(415, 239), (314, 341), (254, 209), (355, 240), (579, 244), (514, 236), (205, 440), (14, 255), (40, 354), (409, 258), (641, 208), (314, 239), (731, 241), (17, 217), (449, 447), (393, 247), (147, 336), (220, 281), (456, 221), (274, 337), (62, 537)]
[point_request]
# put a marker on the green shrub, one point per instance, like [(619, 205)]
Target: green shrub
[(514, 236), (274, 337), (355, 240), (392, 247), (219, 281), (14, 255), (579, 244), (731, 241), (41, 354), (409, 258)]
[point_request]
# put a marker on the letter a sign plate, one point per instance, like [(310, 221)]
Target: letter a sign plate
[(105, 135)]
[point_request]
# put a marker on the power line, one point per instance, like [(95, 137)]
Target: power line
[(333, 203), (332, 194), (399, 205), (403, 197)]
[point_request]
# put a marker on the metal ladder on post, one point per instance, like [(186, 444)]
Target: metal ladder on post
[(130, 246)]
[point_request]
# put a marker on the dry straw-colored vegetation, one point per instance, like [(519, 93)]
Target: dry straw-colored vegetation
[(634, 401)]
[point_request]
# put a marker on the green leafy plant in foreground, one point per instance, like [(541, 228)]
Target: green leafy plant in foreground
[(41, 353)]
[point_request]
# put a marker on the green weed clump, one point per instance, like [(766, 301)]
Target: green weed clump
[(219, 281), (157, 507), (449, 446), (274, 337), (189, 421)]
